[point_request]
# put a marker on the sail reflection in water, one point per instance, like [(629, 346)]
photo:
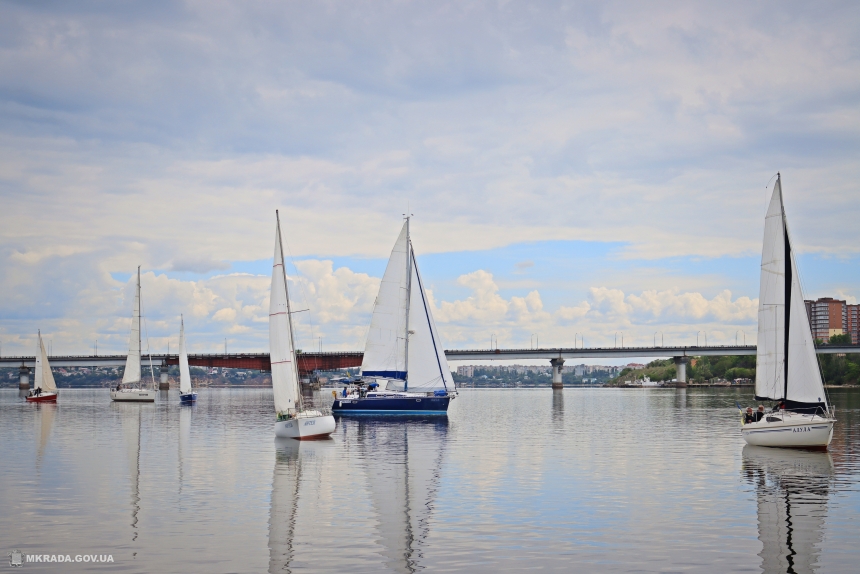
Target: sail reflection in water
[(792, 488), (403, 466), (394, 469)]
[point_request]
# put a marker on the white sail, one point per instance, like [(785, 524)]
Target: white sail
[(428, 367), (44, 378), (805, 384), (184, 372), (786, 363), (770, 352), (131, 376), (385, 350), (284, 373)]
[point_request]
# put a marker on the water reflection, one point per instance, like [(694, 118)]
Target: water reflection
[(185, 412), (792, 489), (47, 411), (285, 499), (558, 409), (403, 461), (131, 423)]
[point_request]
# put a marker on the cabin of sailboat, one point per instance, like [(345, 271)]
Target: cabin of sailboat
[(404, 370), (130, 390), (294, 420), (186, 394), (44, 387), (787, 369)]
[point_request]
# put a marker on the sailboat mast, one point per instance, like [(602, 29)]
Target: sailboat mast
[(289, 313), (788, 281), (408, 302)]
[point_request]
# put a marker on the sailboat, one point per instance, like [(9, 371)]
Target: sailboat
[(44, 388), (787, 368), (130, 389), (186, 395), (294, 421), (404, 370)]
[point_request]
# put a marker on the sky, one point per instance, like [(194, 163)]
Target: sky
[(578, 172)]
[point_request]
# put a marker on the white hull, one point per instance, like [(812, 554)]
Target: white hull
[(305, 427), (791, 430), (133, 395)]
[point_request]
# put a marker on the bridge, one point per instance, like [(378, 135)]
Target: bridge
[(310, 362)]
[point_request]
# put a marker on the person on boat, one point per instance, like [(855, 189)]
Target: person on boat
[(119, 386), (759, 413), (344, 392), (37, 392), (749, 417), (779, 407)]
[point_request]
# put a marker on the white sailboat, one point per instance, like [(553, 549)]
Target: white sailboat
[(294, 421), (130, 390), (44, 387), (186, 394), (404, 370), (787, 367)]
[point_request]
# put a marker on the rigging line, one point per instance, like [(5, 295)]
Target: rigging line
[(429, 323)]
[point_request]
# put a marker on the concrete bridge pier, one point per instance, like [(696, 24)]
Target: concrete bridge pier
[(681, 368), (557, 364), (163, 385), (24, 378)]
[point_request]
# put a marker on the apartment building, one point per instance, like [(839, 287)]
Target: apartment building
[(827, 317), (852, 313)]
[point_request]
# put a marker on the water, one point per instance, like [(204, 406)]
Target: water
[(588, 479)]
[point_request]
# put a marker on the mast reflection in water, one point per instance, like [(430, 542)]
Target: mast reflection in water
[(792, 488)]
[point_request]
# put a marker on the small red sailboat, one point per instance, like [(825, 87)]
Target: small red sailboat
[(44, 388)]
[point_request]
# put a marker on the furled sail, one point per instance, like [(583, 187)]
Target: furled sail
[(281, 352), (131, 376), (786, 364), (184, 372), (385, 350), (44, 378)]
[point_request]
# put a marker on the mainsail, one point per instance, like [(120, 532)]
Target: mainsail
[(184, 372), (131, 376), (284, 372), (44, 378), (786, 363), (408, 351)]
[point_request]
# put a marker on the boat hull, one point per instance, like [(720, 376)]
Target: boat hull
[(791, 430), (437, 406), (43, 398), (306, 428), (133, 396), (188, 398)]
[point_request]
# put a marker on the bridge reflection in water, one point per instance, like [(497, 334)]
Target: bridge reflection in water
[(792, 489)]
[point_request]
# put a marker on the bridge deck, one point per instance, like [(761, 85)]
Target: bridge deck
[(308, 362)]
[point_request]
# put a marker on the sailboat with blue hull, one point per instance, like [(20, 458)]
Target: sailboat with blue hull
[(404, 370), (187, 396)]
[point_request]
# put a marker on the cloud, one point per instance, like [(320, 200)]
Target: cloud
[(198, 265)]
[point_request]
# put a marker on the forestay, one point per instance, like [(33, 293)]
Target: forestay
[(284, 373)]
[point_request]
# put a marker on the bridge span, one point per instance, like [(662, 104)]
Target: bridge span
[(309, 362)]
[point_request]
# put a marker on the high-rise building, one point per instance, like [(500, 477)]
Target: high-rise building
[(827, 317), (852, 313)]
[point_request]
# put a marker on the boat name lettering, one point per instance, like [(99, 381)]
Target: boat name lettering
[(309, 423), (802, 429)]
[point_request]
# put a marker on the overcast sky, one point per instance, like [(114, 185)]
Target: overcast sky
[(574, 168)]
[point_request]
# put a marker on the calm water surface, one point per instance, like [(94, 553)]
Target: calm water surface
[(580, 480)]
